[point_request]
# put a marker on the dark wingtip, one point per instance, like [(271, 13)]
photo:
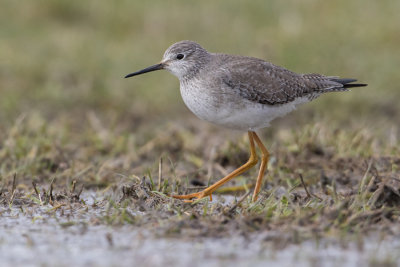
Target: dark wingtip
[(348, 82), (350, 85)]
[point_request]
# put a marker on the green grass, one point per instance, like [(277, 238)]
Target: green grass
[(67, 114)]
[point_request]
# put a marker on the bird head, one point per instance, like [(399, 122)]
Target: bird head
[(183, 59)]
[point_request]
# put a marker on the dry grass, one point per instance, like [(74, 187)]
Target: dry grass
[(353, 178)]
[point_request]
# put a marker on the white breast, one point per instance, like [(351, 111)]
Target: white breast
[(199, 101)]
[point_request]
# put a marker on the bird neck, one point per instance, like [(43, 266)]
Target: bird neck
[(199, 65)]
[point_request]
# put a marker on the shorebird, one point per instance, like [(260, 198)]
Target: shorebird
[(242, 93)]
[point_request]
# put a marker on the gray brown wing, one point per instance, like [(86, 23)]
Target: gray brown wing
[(265, 83)]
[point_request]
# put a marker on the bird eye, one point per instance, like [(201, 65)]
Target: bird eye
[(180, 56)]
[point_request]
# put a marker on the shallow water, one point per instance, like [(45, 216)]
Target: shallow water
[(40, 239)]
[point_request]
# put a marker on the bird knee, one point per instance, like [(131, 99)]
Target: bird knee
[(253, 160)]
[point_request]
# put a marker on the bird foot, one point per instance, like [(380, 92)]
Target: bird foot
[(189, 198)]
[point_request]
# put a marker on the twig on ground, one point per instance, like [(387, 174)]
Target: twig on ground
[(309, 195), (14, 183), (37, 192), (51, 198), (239, 202), (35, 188), (80, 191), (13, 189), (159, 174), (73, 186)]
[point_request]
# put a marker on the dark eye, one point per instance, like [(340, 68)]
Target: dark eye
[(180, 56)]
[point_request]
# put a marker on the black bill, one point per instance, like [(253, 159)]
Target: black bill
[(151, 68)]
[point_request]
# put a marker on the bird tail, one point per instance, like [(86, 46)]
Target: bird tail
[(347, 83)]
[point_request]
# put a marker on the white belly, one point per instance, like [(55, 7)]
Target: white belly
[(231, 110), (256, 116)]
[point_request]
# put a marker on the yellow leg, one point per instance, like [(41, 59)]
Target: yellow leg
[(264, 162), (209, 190)]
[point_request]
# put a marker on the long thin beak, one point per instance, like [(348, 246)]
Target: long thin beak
[(159, 66)]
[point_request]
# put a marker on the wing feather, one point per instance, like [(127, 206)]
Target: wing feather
[(262, 82)]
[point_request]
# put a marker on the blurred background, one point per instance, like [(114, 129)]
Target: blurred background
[(63, 59)]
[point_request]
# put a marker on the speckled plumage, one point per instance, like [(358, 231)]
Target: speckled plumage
[(240, 92)]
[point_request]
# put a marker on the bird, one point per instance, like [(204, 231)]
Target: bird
[(241, 93)]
